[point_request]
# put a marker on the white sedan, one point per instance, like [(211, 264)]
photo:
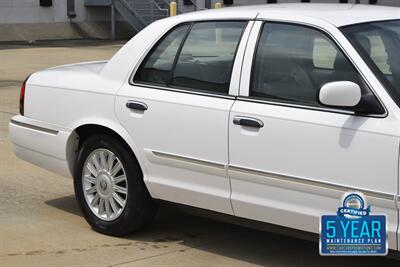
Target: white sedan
[(268, 113)]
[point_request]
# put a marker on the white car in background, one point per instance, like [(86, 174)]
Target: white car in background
[(268, 113)]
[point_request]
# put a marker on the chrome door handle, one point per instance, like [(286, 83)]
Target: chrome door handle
[(136, 105), (249, 122)]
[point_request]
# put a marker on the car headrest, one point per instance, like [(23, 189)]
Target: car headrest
[(365, 43), (342, 63)]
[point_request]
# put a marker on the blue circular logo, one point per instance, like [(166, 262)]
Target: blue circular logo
[(354, 201), (354, 206)]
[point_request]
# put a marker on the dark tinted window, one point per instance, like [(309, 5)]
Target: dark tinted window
[(293, 62), (157, 67), (206, 60), (202, 63), (379, 45)]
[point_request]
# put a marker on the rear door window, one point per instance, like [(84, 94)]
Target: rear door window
[(206, 59), (157, 67), (195, 57)]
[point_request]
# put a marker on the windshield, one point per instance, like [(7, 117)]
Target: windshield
[(379, 44)]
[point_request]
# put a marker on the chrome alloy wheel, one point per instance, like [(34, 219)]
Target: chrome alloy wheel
[(104, 184)]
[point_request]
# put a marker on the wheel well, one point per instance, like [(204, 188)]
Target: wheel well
[(82, 133)]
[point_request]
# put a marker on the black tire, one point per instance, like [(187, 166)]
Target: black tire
[(139, 209)]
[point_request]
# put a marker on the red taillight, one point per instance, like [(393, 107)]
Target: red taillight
[(22, 97)]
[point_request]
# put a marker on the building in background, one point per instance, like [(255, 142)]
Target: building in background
[(25, 20)]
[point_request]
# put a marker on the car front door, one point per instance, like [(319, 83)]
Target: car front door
[(291, 158), (176, 108)]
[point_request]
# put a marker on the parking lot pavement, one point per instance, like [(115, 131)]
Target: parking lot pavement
[(41, 225)]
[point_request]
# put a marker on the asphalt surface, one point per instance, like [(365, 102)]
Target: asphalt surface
[(41, 225)]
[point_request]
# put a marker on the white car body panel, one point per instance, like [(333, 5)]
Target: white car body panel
[(186, 115), (43, 145), (324, 147), (301, 154), (290, 172), (176, 118)]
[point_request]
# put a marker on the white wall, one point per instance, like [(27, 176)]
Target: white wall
[(189, 8), (29, 11)]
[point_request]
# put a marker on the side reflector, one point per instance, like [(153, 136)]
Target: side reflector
[(22, 97)]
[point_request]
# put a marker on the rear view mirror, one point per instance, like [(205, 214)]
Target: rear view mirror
[(340, 94)]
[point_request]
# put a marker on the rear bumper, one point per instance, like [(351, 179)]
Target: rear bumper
[(40, 143)]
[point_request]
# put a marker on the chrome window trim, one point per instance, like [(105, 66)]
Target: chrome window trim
[(177, 90), (314, 108), (341, 48)]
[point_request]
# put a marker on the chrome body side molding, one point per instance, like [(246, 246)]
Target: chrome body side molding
[(34, 127), (262, 177), (177, 161), (267, 178)]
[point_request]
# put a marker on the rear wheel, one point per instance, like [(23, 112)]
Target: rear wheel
[(109, 187)]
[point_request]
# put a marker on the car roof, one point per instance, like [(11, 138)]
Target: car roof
[(336, 14)]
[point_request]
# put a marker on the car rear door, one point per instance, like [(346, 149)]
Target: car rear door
[(176, 108), (291, 159)]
